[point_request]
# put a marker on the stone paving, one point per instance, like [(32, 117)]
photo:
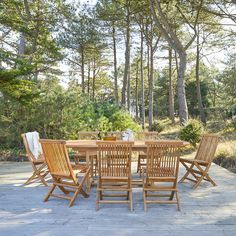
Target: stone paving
[(205, 211)]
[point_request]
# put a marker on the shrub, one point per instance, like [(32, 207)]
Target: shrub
[(104, 125), (157, 126), (121, 120), (192, 132)]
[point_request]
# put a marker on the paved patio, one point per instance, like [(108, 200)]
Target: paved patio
[(205, 211)]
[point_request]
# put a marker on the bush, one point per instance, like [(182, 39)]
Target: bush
[(104, 125), (192, 132), (157, 126), (121, 120)]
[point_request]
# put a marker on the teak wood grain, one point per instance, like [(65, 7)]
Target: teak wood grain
[(65, 176), (161, 173), (114, 172), (199, 166), (40, 169)]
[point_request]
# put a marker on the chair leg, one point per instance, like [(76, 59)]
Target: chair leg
[(131, 199), (74, 197), (138, 166), (211, 180), (97, 200), (145, 200), (33, 176), (49, 193), (177, 198), (172, 195), (43, 180), (187, 171)]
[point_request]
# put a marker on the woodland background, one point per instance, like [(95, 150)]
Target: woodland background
[(68, 66)]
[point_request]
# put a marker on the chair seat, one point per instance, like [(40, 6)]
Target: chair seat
[(194, 161), (79, 168), (39, 161)]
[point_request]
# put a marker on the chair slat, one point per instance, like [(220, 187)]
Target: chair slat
[(162, 166), (202, 161), (114, 168), (59, 165)]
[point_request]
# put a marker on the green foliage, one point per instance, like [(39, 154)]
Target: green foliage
[(121, 120), (58, 113), (104, 124), (157, 126), (192, 132)]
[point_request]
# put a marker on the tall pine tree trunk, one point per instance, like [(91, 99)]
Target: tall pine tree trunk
[(171, 94), (198, 85), (115, 63), (142, 82), (82, 71), (94, 77), (183, 109), (127, 57), (150, 90), (128, 91), (136, 91), (21, 46), (88, 85)]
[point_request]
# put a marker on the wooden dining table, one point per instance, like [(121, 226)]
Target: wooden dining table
[(89, 147)]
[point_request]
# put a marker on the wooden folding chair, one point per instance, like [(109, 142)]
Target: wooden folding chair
[(40, 169), (65, 176), (142, 157), (114, 172), (200, 165), (161, 172)]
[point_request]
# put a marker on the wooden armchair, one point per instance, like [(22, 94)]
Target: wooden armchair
[(114, 171), (65, 176), (200, 165), (142, 157), (40, 169), (161, 172)]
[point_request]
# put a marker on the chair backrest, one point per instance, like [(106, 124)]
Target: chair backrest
[(114, 158), (152, 135), (57, 159), (207, 147), (30, 155), (88, 135), (163, 158)]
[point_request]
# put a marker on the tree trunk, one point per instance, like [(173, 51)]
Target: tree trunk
[(142, 82), (88, 85), (21, 47), (94, 77), (183, 109), (127, 58), (198, 85), (136, 92), (115, 63), (82, 71), (171, 94), (128, 91), (174, 41), (150, 89)]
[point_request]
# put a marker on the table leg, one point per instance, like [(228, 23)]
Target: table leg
[(89, 162)]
